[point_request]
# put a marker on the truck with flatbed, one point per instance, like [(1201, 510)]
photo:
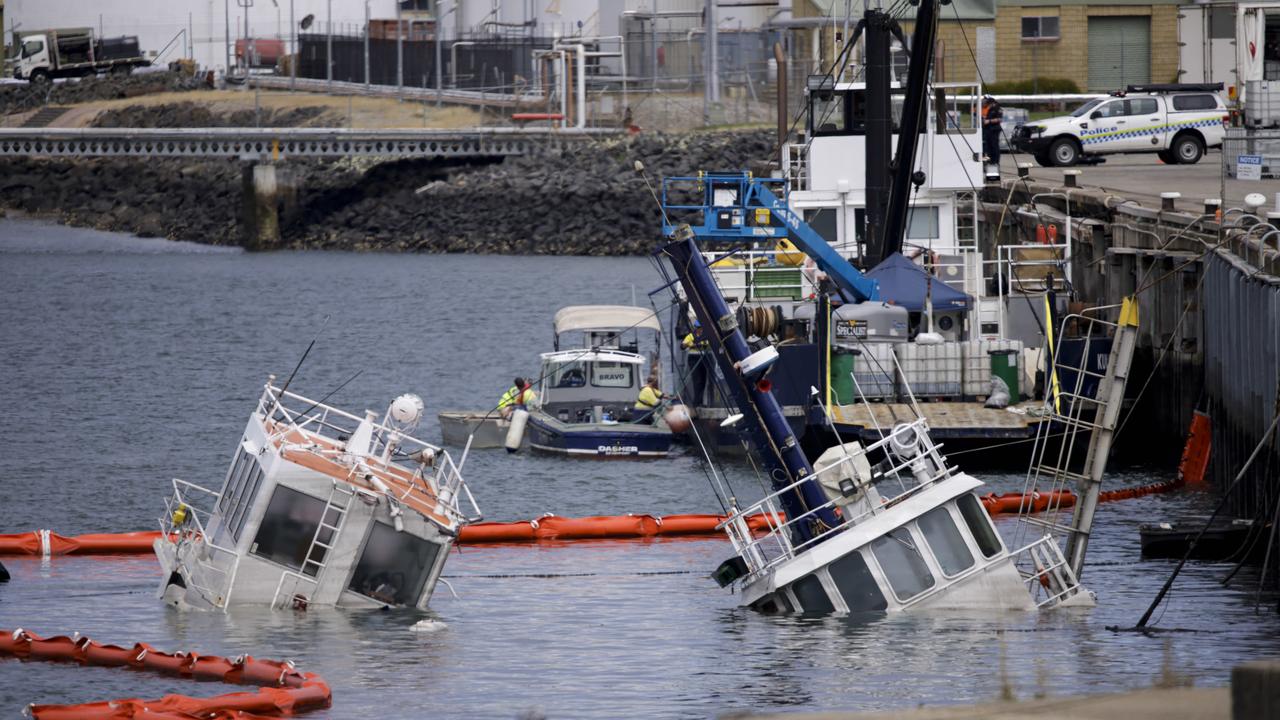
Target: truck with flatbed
[(1177, 121), (73, 52)]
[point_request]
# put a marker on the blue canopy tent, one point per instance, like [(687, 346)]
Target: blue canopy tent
[(904, 283)]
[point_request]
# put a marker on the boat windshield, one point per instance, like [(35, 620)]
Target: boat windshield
[(1086, 108), (598, 373)]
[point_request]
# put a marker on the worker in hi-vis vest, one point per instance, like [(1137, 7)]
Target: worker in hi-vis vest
[(648, 401), (521, 393)]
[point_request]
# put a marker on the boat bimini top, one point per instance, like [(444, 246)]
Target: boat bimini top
[(605, 317)]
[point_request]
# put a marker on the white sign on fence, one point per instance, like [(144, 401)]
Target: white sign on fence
[(1248, 167)]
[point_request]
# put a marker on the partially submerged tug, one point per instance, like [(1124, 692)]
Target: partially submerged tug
[(889, 525), (319, 507), (846, 535)]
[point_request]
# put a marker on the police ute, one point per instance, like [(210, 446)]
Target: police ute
[(1177, 121)]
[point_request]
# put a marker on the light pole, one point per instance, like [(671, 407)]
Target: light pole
[(366, 43), (399, 53), (293, 61), (246, 4), (226, 45), (328, 48), (439, 33)]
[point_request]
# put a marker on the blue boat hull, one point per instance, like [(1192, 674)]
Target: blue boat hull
[(597, 440)]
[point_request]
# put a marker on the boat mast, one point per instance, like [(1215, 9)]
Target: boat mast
[(913, 117), (777, 445)]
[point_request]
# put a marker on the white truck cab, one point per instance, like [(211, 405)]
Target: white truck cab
[(1177, 121)]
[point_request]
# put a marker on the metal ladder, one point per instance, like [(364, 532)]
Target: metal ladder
[(1070, 411), (318, 552)]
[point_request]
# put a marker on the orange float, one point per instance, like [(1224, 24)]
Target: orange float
[(284, 690), (1195, 454)]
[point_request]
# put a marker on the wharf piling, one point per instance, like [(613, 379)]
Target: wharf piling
[(1208, 286)]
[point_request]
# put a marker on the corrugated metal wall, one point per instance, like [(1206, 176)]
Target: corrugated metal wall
[(1242, 369)]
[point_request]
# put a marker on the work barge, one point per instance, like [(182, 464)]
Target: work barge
[(1207, 281)]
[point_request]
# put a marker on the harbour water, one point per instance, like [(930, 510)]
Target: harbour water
[(128, 362)]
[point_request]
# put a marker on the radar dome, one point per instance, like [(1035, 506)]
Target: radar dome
[(407, 409)]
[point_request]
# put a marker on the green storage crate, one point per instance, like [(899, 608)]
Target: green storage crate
[(779, 283), (1004, 365)]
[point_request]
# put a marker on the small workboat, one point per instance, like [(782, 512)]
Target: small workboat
[(1225, 539), (586, 407), (485, 430), (318, 507), (587, 389)]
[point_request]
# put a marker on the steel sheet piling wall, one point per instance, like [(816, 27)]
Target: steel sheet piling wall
[(1242, 368)]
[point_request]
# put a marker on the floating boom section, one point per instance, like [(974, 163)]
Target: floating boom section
[(727, 213), (744, 374)]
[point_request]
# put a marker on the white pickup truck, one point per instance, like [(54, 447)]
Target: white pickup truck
[(1177, 121)]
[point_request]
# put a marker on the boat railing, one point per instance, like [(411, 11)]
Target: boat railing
[(1046, 572), (183, 523), (288, 412), (762, 275), (774, 544)]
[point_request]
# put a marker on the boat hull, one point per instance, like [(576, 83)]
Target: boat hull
[(597, 440), (486, 430)]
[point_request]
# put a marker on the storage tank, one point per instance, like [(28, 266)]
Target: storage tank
[(869, 322)]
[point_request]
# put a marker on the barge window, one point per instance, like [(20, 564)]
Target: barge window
[(944, 538), (393, 566), (856, 584), (288, 527), (812, 596), (975, 516), (902, 564), (609, 374)]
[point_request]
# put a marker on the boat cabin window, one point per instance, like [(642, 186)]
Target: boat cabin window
[(239, 492), (856, 584), (812, 595), (287, 529), (828, 113), (612, 374), (902, 564), (773, 604), (394, 566), (567, 375), (922, 223), (945, 540), (979, 522), (844, 112)]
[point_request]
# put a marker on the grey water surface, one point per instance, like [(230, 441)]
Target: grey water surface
[(127, 362)]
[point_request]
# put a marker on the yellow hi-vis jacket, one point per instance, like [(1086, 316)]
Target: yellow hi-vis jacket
[(515, 396), (649, 398)]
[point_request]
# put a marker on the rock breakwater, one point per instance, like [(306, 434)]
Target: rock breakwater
[(584, 200)]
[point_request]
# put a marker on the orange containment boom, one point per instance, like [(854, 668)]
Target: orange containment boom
[(554, 527), (284, 689), (551, 527), (1039, 502), (45, 542)]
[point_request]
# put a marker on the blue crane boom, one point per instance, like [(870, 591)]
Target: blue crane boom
[(735, 207)]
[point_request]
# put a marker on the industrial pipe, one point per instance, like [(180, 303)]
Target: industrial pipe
[(780, 58)]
